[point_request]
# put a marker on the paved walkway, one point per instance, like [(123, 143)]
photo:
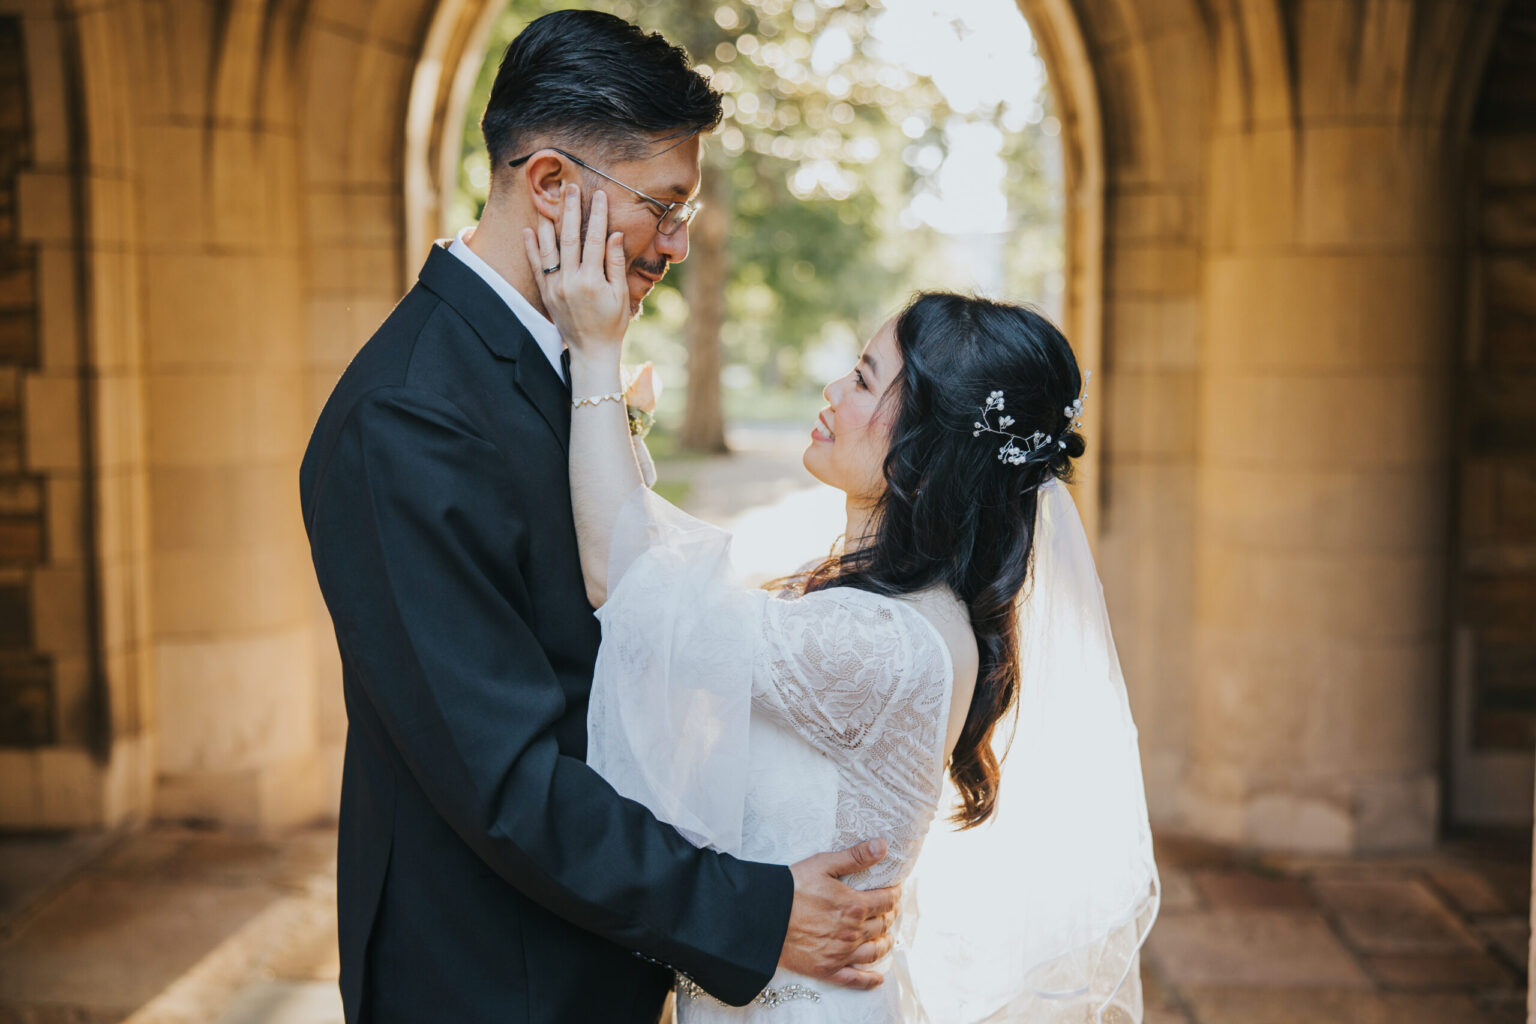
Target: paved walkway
[(169, 926), (182, 926), (1438, 938)]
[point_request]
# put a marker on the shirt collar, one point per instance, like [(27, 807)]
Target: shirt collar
[(544, 333)]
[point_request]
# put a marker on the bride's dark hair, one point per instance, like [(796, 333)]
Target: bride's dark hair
[(952, 512)]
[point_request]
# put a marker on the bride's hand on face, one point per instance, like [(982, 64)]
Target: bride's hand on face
[(587, 297)]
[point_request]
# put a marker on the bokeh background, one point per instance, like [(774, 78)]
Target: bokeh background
[(1295, 240), (866, 152)]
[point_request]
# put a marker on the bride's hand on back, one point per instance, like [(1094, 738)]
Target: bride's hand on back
[(586, 295)]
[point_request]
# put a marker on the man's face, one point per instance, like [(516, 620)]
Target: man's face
[(671, 176)]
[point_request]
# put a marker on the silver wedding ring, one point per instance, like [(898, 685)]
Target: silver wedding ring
[(551, 270)]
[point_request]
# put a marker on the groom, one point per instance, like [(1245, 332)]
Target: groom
[(485, 873)]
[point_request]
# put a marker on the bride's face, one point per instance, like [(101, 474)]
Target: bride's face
[(852, 435)]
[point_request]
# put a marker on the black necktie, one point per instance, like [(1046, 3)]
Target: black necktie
[(565, 367)]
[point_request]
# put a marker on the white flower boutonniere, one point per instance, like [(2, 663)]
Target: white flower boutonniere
[(641, 390)]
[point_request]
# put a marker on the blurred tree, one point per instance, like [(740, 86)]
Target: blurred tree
[(805, 230), (791, 144)]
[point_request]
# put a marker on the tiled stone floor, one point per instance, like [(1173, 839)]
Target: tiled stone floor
[(166, 926), (1437, 938), (177, 926)]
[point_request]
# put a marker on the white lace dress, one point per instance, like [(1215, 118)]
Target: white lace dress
[(850, 698), (842, 700), (774, 727)]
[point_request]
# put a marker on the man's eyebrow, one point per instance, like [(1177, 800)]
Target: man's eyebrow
[(681, 191)]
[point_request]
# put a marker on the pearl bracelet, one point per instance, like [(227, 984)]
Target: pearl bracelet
[(613, 396), (640, 422)]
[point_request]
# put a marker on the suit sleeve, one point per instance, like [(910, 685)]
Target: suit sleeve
[(413, 527)]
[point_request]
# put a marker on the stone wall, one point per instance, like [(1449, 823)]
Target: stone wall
[(1151, 65), (1493, 585), (226, 267), (87, 594), (27, 711), (1328, 322)]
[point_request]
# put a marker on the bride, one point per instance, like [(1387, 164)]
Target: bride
[(875, 694)]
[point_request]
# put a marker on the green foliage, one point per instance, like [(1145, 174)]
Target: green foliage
[(823, 149), (801, 267)]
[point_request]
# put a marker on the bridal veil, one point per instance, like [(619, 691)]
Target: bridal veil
[(1039, 913)]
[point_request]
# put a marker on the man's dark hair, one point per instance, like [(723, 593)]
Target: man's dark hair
[(588, 77)]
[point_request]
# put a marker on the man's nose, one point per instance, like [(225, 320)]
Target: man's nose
[(674, 246)]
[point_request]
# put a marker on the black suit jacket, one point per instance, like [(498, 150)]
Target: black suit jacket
[(485, 872)]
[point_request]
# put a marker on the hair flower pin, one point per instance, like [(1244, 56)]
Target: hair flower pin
[(1017, 449), (1010, 453)]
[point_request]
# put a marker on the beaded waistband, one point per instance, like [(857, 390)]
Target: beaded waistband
[(769, 997)]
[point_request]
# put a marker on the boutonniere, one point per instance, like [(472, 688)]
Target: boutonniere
[(641, 389)]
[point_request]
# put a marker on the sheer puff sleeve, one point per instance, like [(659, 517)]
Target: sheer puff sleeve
[(689, 652), (668, 719)]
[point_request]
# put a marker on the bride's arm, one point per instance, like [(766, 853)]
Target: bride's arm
[(588, 298)]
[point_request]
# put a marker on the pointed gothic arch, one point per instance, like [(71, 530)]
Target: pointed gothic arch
[(238, 195)]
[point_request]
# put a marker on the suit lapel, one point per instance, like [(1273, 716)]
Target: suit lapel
[(539, 383), (504, 334)]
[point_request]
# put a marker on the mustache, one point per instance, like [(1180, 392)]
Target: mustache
[(657, 267)]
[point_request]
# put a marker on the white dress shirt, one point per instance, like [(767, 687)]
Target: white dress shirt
[(546, 334)]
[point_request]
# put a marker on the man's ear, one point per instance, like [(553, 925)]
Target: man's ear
[(545, 174)]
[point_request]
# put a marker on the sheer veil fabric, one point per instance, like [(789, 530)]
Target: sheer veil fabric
[(1039, 914)]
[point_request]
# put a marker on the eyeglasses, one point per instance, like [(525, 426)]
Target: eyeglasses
[(673, 215)]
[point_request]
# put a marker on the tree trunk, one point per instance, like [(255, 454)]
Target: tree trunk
[(704, 288)]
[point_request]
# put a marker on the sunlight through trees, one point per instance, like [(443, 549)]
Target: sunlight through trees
[(869, 149)]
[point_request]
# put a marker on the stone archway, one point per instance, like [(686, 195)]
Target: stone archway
[(1180, 117), (428, 100), (455, 42), (1124, 74), (234, 207)]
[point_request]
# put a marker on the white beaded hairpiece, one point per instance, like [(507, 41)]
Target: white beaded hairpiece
[(1011, 452)]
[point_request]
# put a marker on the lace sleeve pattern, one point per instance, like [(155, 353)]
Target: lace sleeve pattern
[(851, 671), (864, 679)]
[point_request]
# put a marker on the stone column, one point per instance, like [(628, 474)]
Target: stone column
[(77, 746), (1153, 72), (238, 704), (1329, 292)]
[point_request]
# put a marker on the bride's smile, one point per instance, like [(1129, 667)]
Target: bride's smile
[(849, 443)]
